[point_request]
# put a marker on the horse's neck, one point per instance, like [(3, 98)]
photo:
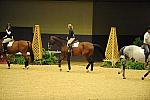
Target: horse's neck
[(60, 43)]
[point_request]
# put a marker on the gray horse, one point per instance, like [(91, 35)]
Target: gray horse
[(133, 52)]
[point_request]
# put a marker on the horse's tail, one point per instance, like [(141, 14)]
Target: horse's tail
[(98, 52), (30, 50)]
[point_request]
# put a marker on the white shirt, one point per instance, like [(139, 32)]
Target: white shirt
[(147, 36)]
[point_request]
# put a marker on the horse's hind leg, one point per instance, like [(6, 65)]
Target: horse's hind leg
[(92, 66), (90, 62), (26, 60), (145, 75), (26, 64)]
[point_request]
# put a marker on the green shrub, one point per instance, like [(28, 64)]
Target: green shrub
[(16, 59), (130, 65), (48, 59), (137, 41), (135, 65), (107, 64)]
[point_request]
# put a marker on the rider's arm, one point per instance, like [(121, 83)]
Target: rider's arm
[(5, 37), (8, 32)]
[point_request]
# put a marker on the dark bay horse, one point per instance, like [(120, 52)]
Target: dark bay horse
[(85, 49), (18, 46)]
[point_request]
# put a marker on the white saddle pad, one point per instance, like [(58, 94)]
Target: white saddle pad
[(10, 44), (75, 44)]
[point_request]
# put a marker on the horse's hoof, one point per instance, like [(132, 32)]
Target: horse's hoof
[(124, 78), (68, 71), (60, 70), (118, 72), (142, 78), (87, 71), (27, 68), (8, 67)]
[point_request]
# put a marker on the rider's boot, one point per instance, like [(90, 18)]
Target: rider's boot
[(70, 49), (146, 59)]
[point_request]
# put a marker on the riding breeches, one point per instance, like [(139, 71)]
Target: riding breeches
[(70, 41), (146, 48), (146, 51), (7, 40)]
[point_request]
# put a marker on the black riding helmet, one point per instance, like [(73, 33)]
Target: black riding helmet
[(148, 27)]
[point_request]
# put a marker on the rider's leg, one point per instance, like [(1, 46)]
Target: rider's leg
[(70, 49), (146, 52), (5, 43), (69, 45)]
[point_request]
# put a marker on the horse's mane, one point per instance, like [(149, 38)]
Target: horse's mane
[(61, 38)]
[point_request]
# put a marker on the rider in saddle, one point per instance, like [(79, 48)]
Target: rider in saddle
[(147, 44), (70, 38), (8, 37)]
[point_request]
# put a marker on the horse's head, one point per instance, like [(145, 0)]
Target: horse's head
[(53, 40)]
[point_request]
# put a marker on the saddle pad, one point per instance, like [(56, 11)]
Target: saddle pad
[(76, 44), (10, 44), (19, 53)]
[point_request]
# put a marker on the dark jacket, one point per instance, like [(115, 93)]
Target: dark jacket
[(9, 35), (71, 34)]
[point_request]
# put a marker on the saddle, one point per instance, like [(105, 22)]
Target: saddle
[(75, 44), (71, 46), (10, 43)]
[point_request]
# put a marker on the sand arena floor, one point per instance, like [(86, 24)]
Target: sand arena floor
[(47, 83)]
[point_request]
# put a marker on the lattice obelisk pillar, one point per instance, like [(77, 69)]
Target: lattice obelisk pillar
[(37, 43), (111, 52)]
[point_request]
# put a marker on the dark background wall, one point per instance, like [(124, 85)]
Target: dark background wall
[(130, 17)]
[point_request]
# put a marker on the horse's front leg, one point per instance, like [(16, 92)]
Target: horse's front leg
[(59, 65), (123, 74), (68, 60), (61, 57), (87, 67), (7, 60), (123, 63)]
